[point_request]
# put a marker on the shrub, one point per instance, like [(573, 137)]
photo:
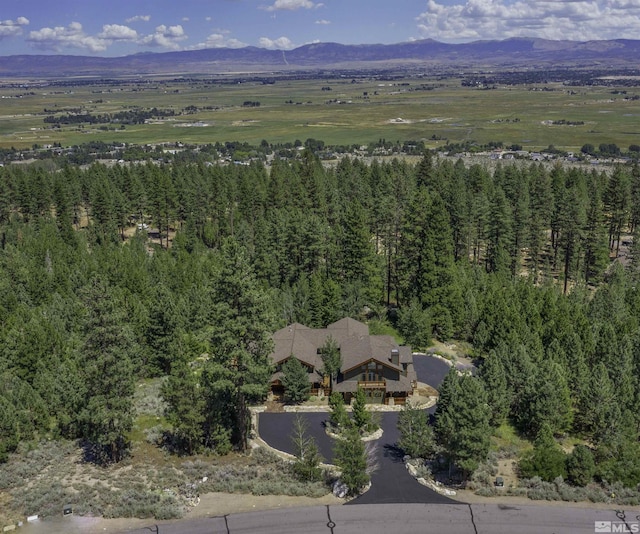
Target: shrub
[(546, 460), (580, 466)]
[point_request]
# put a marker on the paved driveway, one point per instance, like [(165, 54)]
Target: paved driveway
[(391, 483), (430, 370)]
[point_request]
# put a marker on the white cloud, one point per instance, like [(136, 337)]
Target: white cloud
[(12, 28), (323, 21), (281, 43), (219, 40), (551, 19), (292, 5), (165, 37), (208, 19), (185, 19), (137, 18), (117, 32), (72, 36)]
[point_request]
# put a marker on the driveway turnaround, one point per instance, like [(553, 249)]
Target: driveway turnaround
[(430, 370), (391, 482)]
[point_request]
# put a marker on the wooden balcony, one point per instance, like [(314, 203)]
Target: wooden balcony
[(378, 384)]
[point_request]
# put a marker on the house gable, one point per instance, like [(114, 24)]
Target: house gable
[(379, 370)]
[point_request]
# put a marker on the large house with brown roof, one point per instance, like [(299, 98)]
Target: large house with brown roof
[(375, 363)]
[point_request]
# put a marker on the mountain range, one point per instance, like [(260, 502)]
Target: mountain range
[(515, 52)]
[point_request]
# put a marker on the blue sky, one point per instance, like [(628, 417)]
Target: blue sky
[(120, 27)]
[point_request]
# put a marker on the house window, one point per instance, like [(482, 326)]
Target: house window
[(372, 372)]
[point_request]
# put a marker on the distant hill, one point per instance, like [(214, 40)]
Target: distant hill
[(509, 52)]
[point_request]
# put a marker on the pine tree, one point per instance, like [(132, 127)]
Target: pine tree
[(462, 423), (339, 417), (550, 403), (580, 466), (416, 435), (617, 204), (500, 237), (238, 371), (295, 381), (183, 396), (107, 355), (598, 413), (414, 323), (331, 359), (361, 416), (359, 261), (493, 375), (351, 458), (546, 460), (427, 262), (540, 207), (307, 464)]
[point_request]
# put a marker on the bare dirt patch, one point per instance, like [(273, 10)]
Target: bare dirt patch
[(468, 496)]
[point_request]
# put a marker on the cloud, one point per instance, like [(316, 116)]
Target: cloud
[(292, 5), (281, 43), (71, 36), (12, 28), (323, 21), (117, 32), (185, 19), (219, 40), (165, 37), (550, 19), (137, 18)]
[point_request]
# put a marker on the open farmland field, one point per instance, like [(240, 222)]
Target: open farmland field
[(338, 111)]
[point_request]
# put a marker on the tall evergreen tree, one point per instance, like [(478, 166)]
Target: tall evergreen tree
[(416, 435), (492, 373), (183, 396), (331, 359), (106, 356), (617, 199), (351, 459), (462, 425), (238, 371), (361, 416), (427, 264)]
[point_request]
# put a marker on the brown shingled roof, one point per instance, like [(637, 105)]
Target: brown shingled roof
[(356, 348)]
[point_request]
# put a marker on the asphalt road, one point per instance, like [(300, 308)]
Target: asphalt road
[(407, 519)]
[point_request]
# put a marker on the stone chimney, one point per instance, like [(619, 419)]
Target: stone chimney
[(395, 357)]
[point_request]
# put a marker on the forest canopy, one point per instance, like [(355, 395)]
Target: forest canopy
[(110, 274)]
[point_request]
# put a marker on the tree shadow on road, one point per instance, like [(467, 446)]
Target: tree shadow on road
[(393, 452)]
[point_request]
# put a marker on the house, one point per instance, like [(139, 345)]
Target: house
[(375, 363)]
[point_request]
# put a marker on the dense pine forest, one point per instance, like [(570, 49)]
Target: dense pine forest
[(110, 275)]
